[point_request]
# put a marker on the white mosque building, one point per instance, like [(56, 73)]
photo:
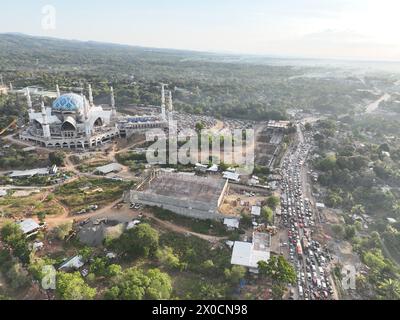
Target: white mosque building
[(75, 122)]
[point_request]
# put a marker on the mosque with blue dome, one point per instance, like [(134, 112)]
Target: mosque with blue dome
[(72, 121)]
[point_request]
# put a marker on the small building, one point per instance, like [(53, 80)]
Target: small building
[(391, 220), (231, 176), (213, 169), (29, 149), (18, 174), (320, 205), (29, 227), (256, 211), (132, 224), (74, 263), (249, 254), (109, 168), (201, 167), (231, 224), (3, 193)]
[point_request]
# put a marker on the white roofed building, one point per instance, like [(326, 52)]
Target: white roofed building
[(248, 254), (231, 223), (109, 168), (29, 227)]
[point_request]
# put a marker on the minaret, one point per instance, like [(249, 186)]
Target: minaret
[(113, 109), (86, 115), (170, 105), (29, 100), (58, 91), (90, 95), (45, 124), (163, 114)]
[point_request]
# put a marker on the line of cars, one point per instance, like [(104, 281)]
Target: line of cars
[(309, 258)]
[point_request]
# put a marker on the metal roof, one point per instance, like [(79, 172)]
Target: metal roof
[(28, 225), (112, 167), (231, 223)]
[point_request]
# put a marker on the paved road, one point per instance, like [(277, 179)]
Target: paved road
[(301, 218)]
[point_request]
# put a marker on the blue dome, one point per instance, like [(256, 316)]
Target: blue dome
[(68, 102)]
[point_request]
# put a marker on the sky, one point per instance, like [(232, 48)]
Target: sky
[(339, 29)]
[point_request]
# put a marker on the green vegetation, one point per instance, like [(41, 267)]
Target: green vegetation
[(71, 286), (210, 227), (83, 192), (141, 241), (280, 272), (135, 284)]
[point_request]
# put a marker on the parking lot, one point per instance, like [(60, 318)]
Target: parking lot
[(310, 258)]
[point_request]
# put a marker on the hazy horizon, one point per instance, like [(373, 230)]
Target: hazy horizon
[(356, 30)]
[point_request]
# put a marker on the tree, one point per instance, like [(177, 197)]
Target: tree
[(308, 126), (273, 202), (389, 289), (279, 270), (167, 256), (235, 274), (338, 230), (135, 284), (13, 236), (41, 216), (350, 232), (142, 241), (328, 163), (63, 230), (199, 127), (18, 276), (268, 214), (71, 286), (57, 158)]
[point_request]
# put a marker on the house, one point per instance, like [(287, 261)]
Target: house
[(132, 224), (320, 205), (29, 227), (256, 211), (109, 168), (249, 254), (3, 193), (29, 149), (231, 224), (74, 263), (231, 176), (213, 169), (201, 167), (391, 220), (254, 181), (41, 172)]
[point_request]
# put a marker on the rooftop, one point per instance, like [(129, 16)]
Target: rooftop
[(256, 210), (249, 254), (29, 173), (185, 187), (112, 167), (231, 223), (28, 226)]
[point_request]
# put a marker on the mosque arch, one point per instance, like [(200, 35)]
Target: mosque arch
[(99, 122)]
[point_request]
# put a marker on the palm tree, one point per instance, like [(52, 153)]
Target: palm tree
[(390, 289)]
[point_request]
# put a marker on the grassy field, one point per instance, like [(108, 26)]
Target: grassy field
[(11, 207), (84, 192), (208, 227)]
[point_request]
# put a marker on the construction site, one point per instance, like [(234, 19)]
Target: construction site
[(187, 195)]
